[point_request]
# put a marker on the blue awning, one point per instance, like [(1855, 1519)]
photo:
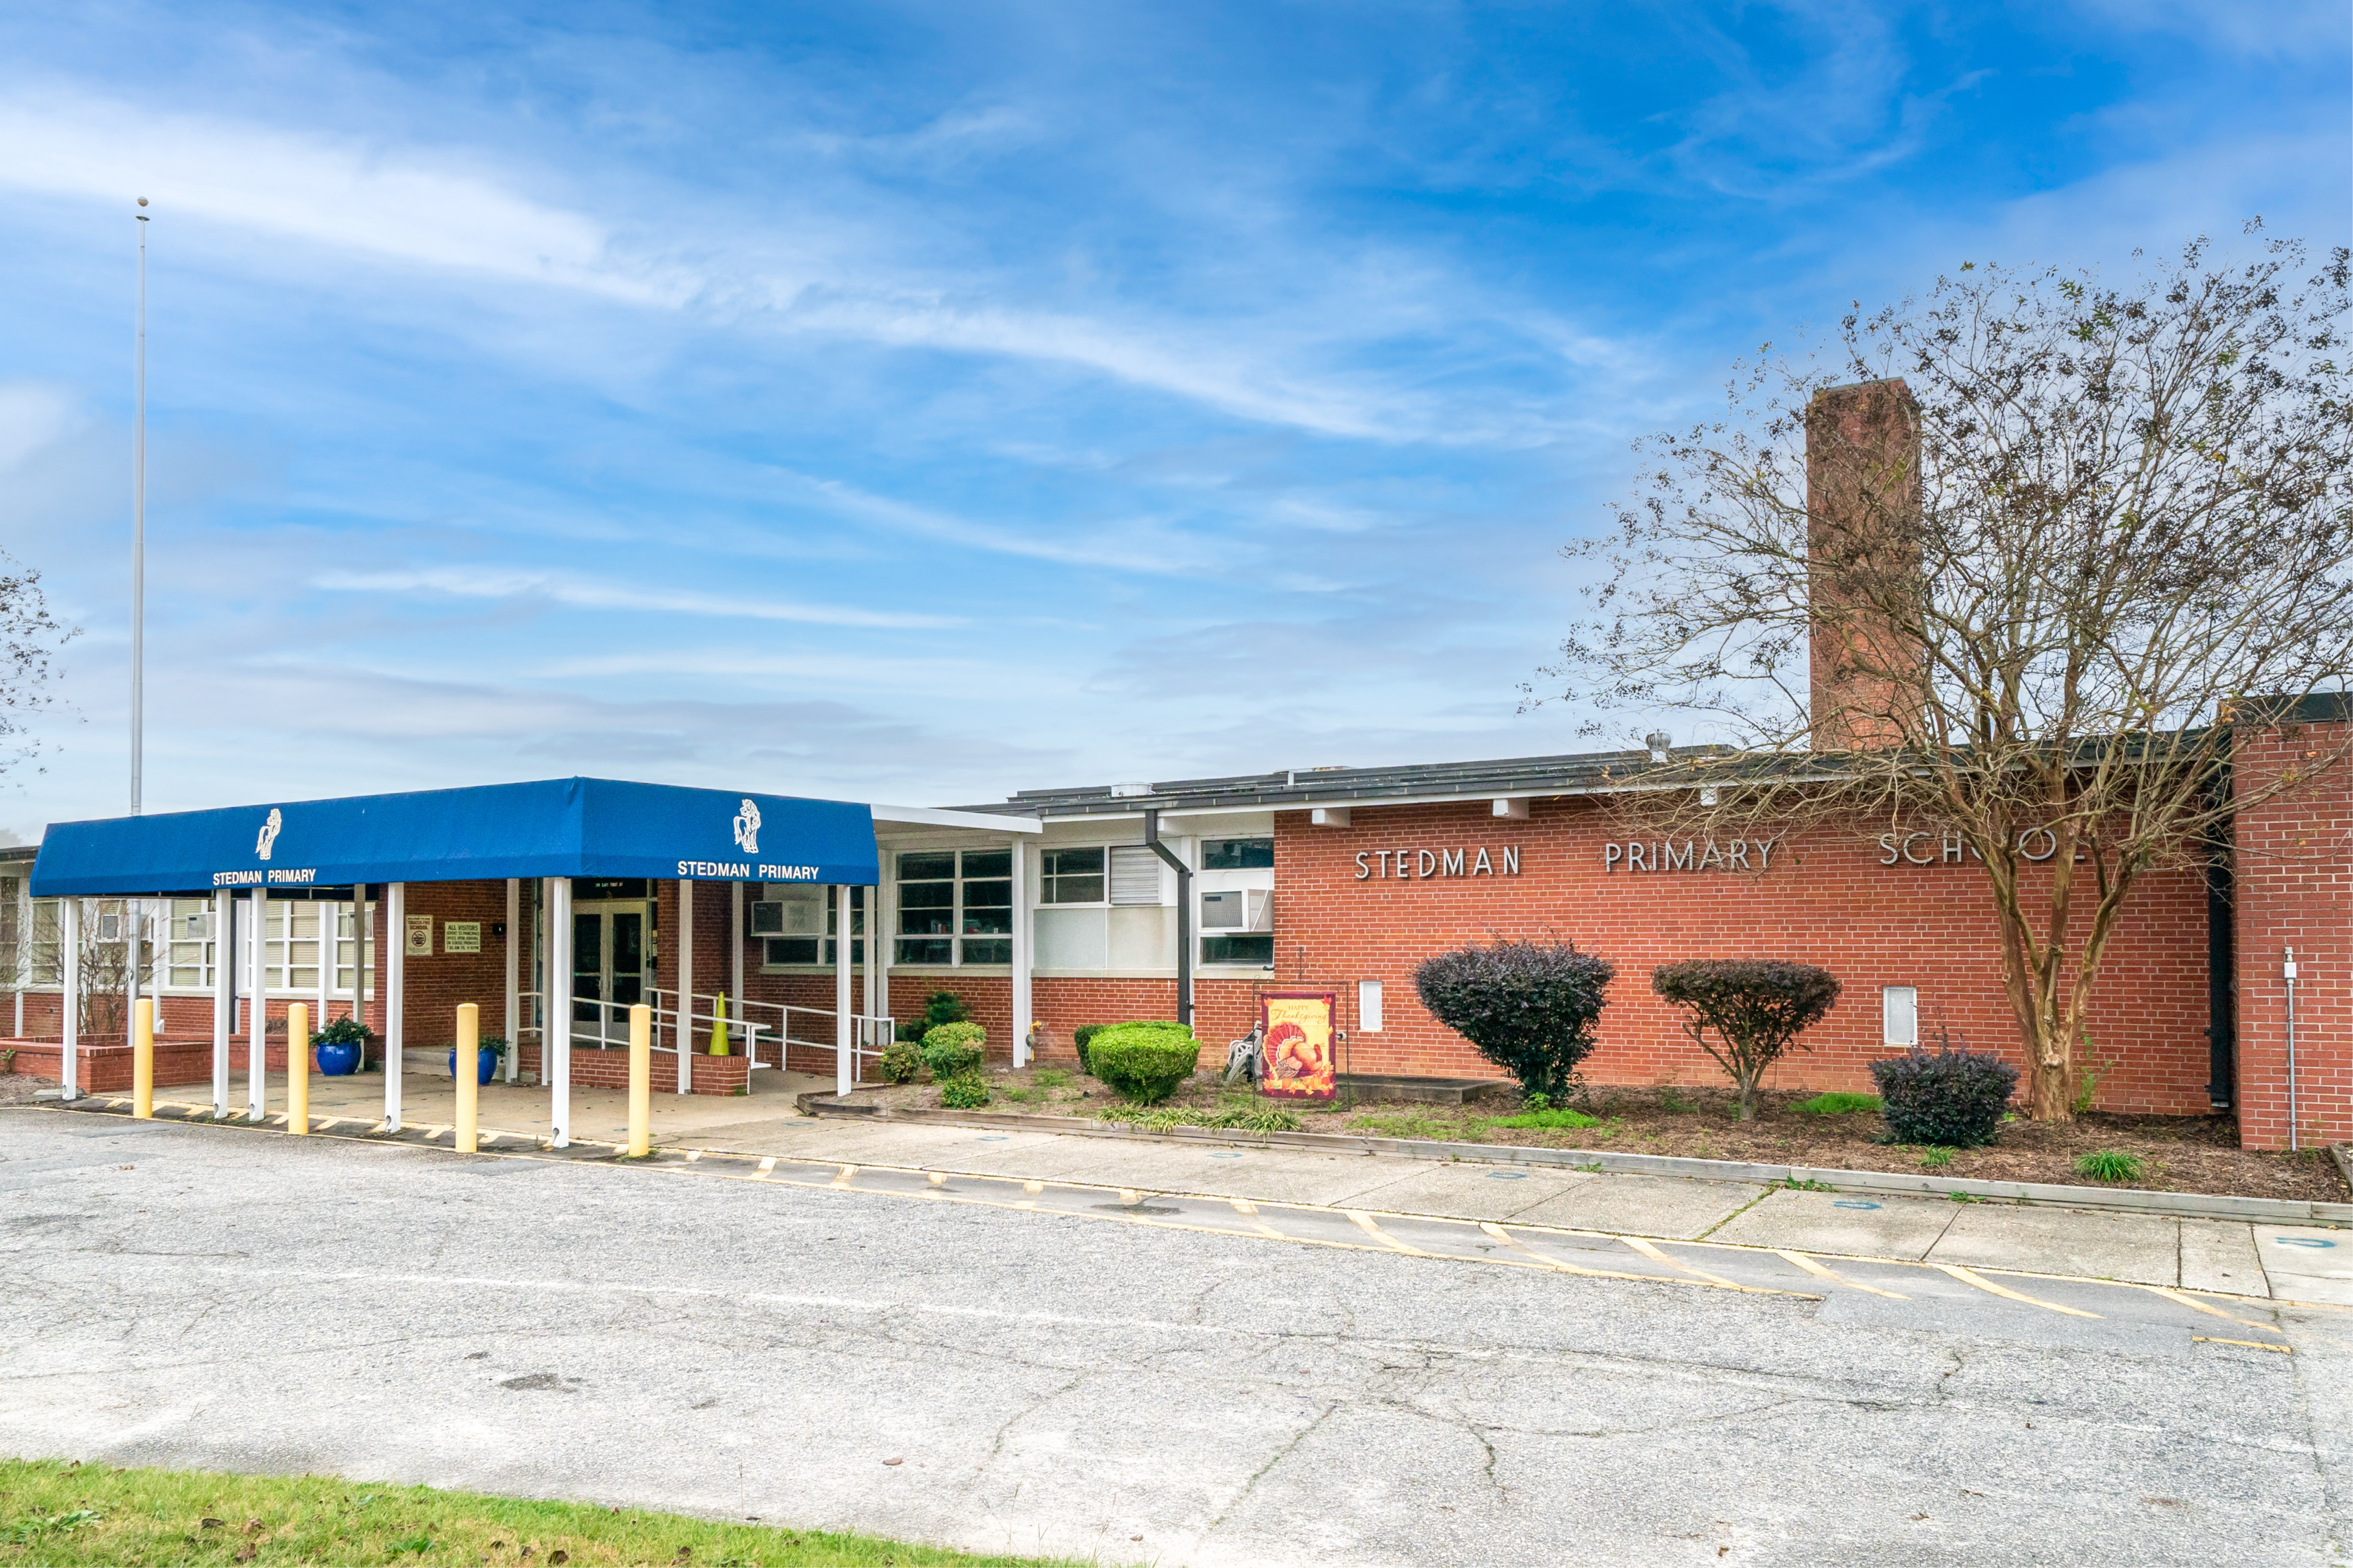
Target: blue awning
[(555, 828)]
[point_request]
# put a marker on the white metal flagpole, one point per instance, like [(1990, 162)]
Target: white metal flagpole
[(139, 523)]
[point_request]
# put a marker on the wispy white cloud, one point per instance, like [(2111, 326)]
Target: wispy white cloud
[(579, 592)]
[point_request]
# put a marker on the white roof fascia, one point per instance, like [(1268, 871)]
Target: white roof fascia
[(979, 821), (1377, 802)]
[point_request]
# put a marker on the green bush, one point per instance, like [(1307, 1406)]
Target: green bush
[(1080, 1036), (1836, 1103), (2112, 1166), (964, 1093), (944, 1007), (955, 1049), (1144, 1061), (345, 1032), (901, 1061)]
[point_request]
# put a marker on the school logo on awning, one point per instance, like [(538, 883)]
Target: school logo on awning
[(270, 834), (747, 828)]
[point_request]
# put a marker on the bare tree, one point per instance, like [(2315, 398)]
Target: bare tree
[(2016, 585), (111, 945), (29, 637)]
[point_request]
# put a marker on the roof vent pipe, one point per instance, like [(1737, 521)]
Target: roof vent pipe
[(1183, 915), (1658, 741)]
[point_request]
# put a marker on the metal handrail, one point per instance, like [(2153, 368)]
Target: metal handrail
[(871, 1033)]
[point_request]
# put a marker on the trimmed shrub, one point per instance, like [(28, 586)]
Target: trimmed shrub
[(964, 1093), (944, 1007), (1078, 1038), (955, 1050), (1144, 1061), (1755, 1008), (901, 1060), (1954, 1099), (1531, 1007)]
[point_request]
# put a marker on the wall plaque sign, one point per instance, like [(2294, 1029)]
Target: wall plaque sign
[(418, 942), (461, 936)]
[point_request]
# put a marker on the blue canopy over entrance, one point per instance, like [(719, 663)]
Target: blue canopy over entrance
[(554, 827)]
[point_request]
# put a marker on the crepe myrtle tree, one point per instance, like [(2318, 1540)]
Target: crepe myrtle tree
[(1530, 1007), (1755, 1008), (2016, 589)]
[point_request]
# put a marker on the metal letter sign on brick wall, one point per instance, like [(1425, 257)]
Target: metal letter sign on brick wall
[(1691, 855), (1420, 864)]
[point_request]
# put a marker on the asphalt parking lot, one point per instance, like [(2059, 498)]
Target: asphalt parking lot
[(1133, 1376)]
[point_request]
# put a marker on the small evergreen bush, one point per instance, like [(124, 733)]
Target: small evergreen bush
[(901, 1060), (964, 1093), (1080, 1036), (955, 1050), (1954, 1099), (944, 1007), (1531, 1007), (1144, 1061)]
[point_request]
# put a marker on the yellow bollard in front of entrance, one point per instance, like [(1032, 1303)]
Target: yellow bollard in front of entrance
[(142, 1060), (719, 1026), (641, 1081), (468, 1075), (298, 1068)]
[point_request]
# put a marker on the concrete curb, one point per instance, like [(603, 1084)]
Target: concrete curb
[(2198, 1205)]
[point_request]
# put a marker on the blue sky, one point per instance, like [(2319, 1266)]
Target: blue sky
[(919, 402)]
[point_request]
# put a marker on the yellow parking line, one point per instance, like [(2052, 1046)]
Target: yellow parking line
[(1516, 1245), (1988, 1286), (2250, 1345), (843, 1179), (765, 1165), (1835, 1277), (1651, 1252), (1364, 1223), (2216, 1311), (1249, 1211)]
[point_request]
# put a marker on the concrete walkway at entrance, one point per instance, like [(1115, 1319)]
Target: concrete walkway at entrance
[(2302, 1263)]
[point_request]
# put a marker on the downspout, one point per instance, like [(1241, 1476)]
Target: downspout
[(1183, 915), (2287, 972)]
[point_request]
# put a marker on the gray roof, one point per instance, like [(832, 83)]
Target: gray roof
[(1296, 789)]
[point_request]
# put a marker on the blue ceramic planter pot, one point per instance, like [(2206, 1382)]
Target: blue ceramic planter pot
[(339, 1059), (488, 1061)]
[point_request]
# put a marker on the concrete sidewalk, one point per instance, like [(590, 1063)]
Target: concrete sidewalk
[(2303, 1263)]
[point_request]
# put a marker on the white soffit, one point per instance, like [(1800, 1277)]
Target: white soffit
[(979, 821)]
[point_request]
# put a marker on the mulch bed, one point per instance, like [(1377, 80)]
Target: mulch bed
[(2184, 1153), (16, 1088)]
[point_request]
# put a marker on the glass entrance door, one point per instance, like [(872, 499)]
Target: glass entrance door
[(612, 968)]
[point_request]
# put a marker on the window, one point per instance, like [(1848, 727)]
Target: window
[(1237, 854), (1238, 926), (804, 912), (1072, 877), (1899, 1012), (955, 907), (1368, 1007)]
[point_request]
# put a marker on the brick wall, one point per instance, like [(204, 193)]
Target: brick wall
[(1824, 899), (2291, 865)]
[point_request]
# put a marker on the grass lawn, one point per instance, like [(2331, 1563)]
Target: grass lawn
[(54, 1512)]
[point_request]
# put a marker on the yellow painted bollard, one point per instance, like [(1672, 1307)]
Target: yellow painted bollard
[(298, 1068), (719, 1026), (143, 1059), (468, 1075), (641, 1081)]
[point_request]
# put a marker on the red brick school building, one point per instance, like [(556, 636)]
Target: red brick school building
[(1060, 907)]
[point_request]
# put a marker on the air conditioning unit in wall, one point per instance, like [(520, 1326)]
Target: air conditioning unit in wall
[(1239, 910), (788, 917)]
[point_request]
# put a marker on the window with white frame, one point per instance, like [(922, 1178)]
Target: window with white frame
[(1072, 877), (797, 925), (1238, 926), (955, 907)]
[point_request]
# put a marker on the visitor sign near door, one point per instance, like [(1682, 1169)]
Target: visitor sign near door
[(1298, 1044), (461, 936)]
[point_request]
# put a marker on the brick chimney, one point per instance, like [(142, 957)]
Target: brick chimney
[(1862, 519)]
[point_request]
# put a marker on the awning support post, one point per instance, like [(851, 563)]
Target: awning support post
[(685, 986), (1021, 1013), (514, 989), (735, 962), (257, 1009), (845, 1053), (223, 996), (556, 1034), (70, 1001), (394, 944)]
